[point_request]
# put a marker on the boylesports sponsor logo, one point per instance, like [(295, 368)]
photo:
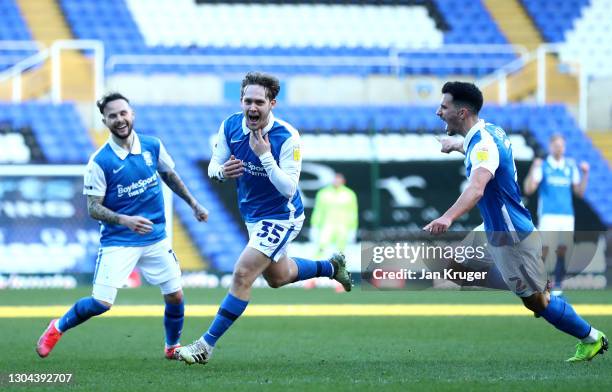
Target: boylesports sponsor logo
[(138, 187), (254, 170), (558, 181)]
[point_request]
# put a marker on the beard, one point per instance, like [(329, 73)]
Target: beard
[(452, 129), (116, 133)]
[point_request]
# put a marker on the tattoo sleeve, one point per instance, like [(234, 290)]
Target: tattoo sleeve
[(99, 212), (177, 185)]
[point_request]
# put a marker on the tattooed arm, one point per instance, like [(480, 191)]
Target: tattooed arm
[(174, 182), (97, 211)]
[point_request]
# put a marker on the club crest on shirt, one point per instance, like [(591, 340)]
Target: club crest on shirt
[(146, 155)]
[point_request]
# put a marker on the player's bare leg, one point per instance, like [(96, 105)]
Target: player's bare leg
[(249, 266)]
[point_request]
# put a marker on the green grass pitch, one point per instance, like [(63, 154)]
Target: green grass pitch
[(310, 353)]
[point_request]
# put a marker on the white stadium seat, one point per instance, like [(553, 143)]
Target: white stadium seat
[(184, 22)]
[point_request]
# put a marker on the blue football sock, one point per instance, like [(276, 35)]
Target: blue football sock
[(173, 322), (561, 314), (81, 311), (231, 308), (311, 269), (559, 271)]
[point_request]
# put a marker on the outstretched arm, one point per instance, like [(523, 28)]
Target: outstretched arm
[(580, 185), (165, 168), (450, 144), (468, 199), (533, 178), (174, 182)]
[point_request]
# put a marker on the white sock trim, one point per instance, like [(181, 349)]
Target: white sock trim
[(57, 326), (592, 337)]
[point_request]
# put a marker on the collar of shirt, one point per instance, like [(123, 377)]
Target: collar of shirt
[(477, 127), (123, 153), (246, 130), (560, 164)]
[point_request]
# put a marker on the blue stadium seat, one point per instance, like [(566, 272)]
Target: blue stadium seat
[(188, 146), (554, 19), (113, 23)]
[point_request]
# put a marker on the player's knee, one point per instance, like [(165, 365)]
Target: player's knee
[(536, 302), (561, 250), (274, 282), (104, 294), (242, 277), (104, 303), (172, 291), (174, 298)]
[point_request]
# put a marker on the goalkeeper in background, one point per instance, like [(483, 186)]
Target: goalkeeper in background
[(335, 216)]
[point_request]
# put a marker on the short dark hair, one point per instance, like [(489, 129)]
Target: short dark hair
[(464, 94), (269, 82), (110, 97), (556, 136)]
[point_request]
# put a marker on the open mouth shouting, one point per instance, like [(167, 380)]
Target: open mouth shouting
[(253, 119)]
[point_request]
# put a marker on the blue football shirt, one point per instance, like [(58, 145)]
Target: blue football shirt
[(506, 220), (258, 198), (130, 185), (556, 179)]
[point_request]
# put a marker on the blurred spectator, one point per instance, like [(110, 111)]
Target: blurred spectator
[(335, 216)]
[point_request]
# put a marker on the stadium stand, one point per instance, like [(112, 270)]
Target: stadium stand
[(57, 128), (581, 27), (555, 18), (179, 28), (19, 145), (188, 139), (12, 28), (184, 28)]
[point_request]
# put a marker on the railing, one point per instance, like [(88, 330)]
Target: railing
[(500, 76), (396, 60), (26, 63), (54, 52), (539, 55)]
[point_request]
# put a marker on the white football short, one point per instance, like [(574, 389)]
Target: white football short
[(556, 230), (272, 236), (157, 262), (521, 265)]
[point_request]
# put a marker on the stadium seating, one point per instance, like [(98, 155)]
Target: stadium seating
[(581, 28), (554, 18), (63, 139), (57, 128), (12, 28), (184, 28), (188, 139), (589, 42)]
